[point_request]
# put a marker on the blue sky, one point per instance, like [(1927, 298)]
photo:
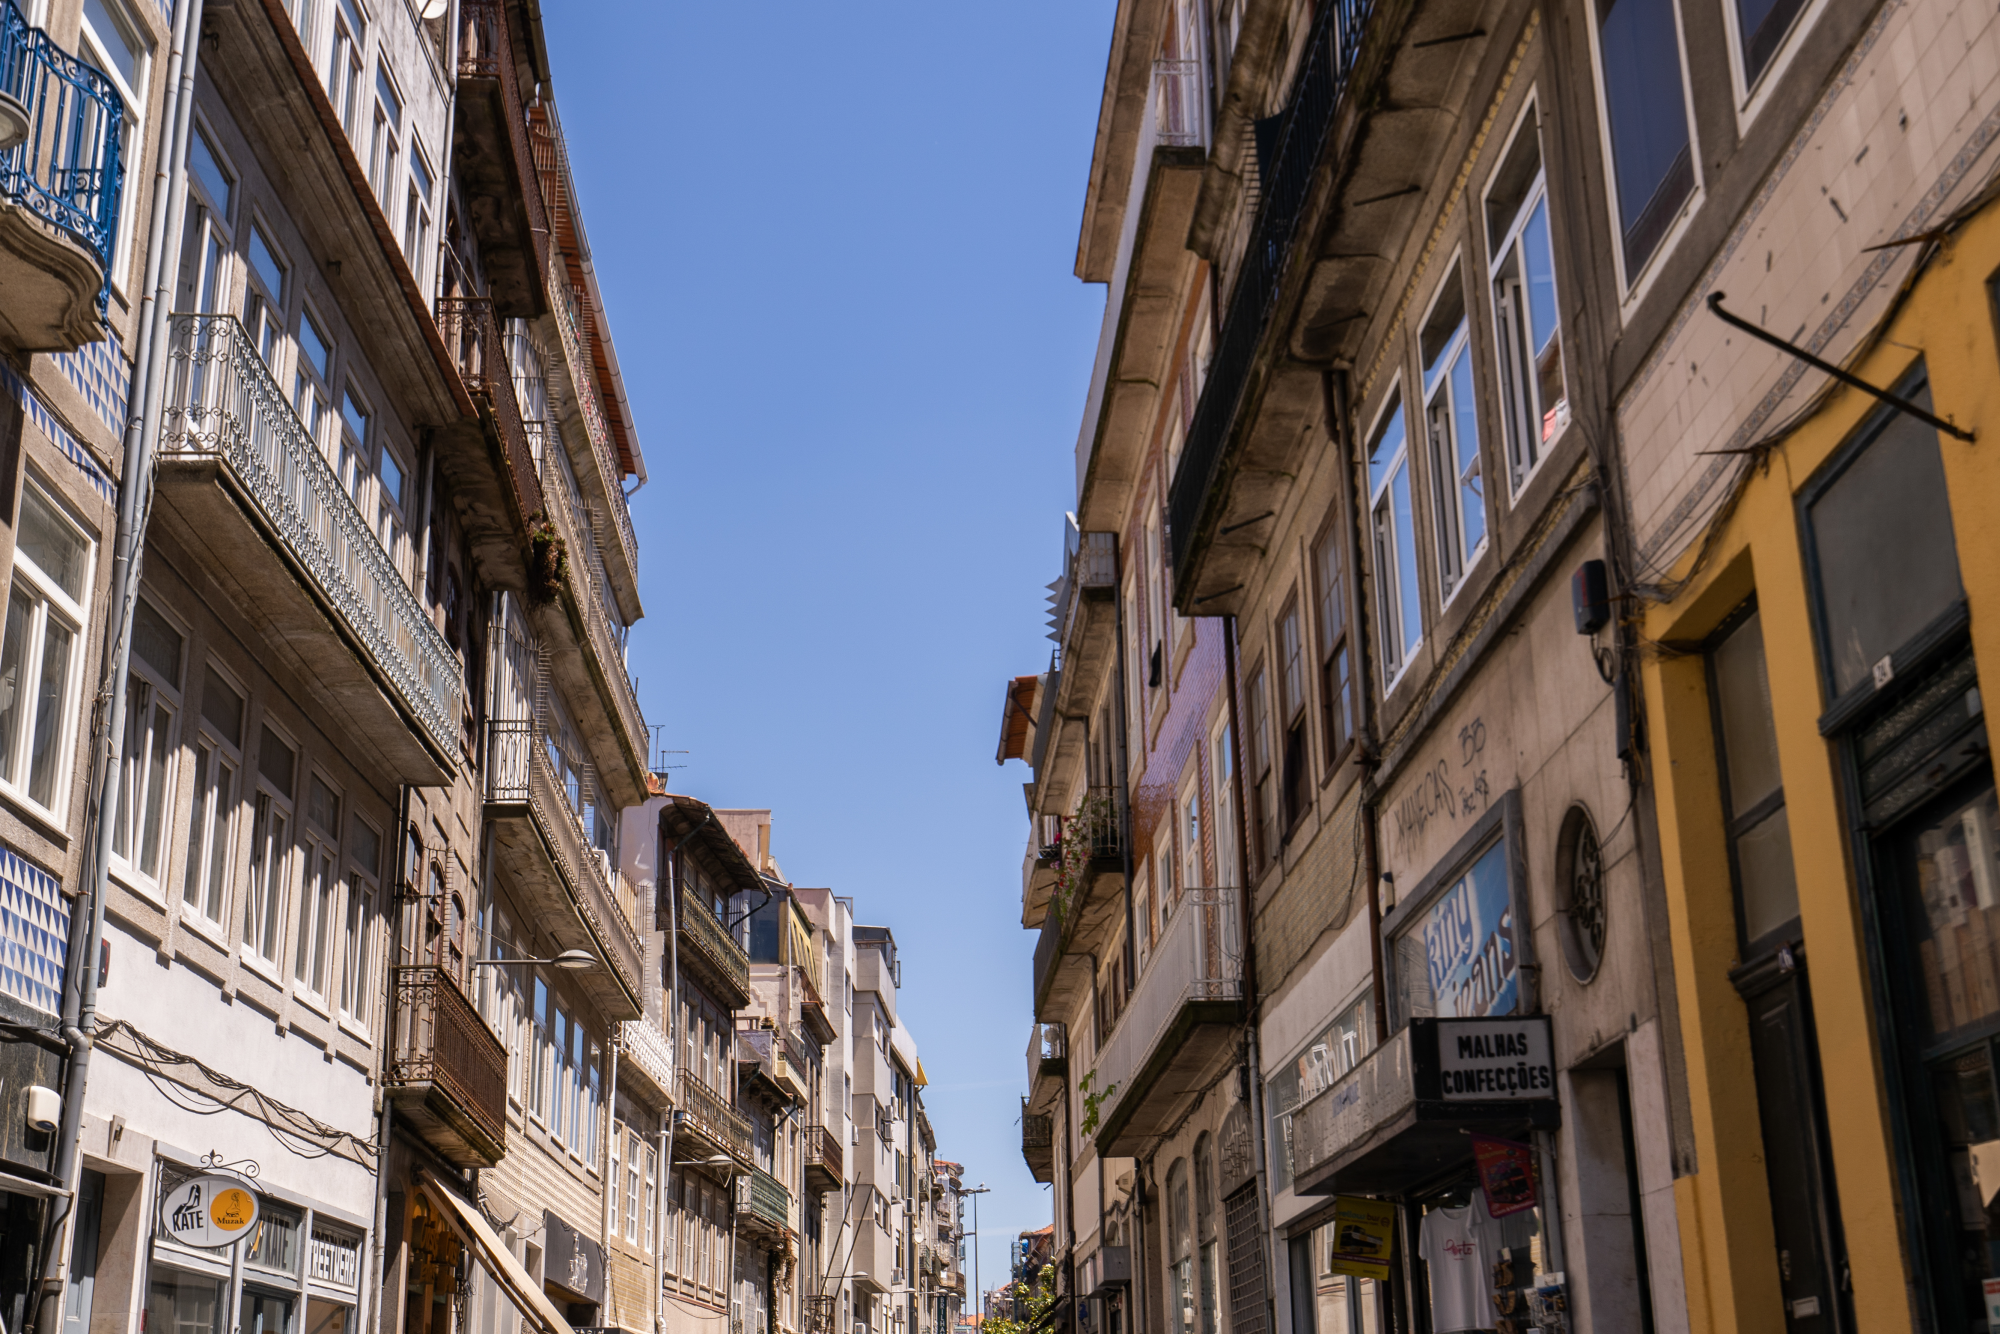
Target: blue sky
[(836, 243)]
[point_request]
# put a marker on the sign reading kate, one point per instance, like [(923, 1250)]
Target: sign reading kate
[(209, 1211)]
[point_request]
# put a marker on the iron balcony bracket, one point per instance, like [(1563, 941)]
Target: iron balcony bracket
[(1895, 401)]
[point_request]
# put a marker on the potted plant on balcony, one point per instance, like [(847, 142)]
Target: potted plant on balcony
[(548, 558)]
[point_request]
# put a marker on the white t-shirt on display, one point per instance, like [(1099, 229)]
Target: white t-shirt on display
[(1456, 1253)]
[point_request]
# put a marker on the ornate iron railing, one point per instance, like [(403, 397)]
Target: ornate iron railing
[(222, 404), (592, 597), (68, 171), (700, 930), (472, 336), (645, 1046), (437, 1038), (713, 1116), (519, 771), (822, 1150), (486, 51), (769, 1200), (1037, 1128), (819, 1314), (1286, 179)]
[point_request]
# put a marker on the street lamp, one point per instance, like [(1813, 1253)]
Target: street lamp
[(571, 960), (978, 1293)]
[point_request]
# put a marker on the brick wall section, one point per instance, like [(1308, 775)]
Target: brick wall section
[(1320, 891)]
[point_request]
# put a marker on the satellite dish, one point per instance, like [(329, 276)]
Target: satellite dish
[(433, 9)]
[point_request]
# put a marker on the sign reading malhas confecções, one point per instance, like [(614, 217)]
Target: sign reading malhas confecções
[(1481, 1060), (209, 1211)]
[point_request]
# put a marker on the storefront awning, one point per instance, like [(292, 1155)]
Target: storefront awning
[(494, 1257)]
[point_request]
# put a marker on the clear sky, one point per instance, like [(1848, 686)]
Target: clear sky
[(837, 247)]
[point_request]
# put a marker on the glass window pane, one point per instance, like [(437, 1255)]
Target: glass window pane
[(1955, 902), (156, 790), (1465, 433), (20, 624), (207, 169), (53, 543), (1890, 499), (222, 707), (1761, 26), (218, 850), (275, 760), (1409, 613), (204, 758), (178, 1302), (156, 643), (265, 1313), (1646, 106), (115, 36), (313, 346), (264, 263), (1764, 869), (1743, 702), (44, 752)]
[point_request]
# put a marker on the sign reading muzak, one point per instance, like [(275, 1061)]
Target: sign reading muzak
[(209, 1211), (1363, 1230), (1482, 1061)]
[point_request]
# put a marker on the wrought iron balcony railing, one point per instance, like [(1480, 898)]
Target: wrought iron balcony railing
[(1048, 1051), (819, 1314), (1322, 83), (767, 1199), (710, 1114), (823, 1152), (520, 772), (473, 337), (699, 929), (438, 1039), (645, 1046), (68, 171), (486, 51), (222, 404)]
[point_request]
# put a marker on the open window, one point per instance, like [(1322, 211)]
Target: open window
[(1394, 521), (1534, 397), (1451, 420)]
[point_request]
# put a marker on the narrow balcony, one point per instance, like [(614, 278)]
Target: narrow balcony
[(711, 951), (59, 192), (542, 842), (823, 1155), (1039, 864), (1179, 1027), (493, 164), (1048, 1060), (241, 479), (763, 1205), (709, 1124), (1038, 1143), (446, 1072), (1085, 617), (819, 1314), (648, 1054), (1084, 900), (470, 328)]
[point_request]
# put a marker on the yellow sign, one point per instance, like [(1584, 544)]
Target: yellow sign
[(1364, 1231), (232, 1210)]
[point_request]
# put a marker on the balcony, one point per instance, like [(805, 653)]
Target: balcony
[(1406, 1108), (1085, 623), (1180, 1026), (242, 478), (1038, 1143), (493, 164), (712, 952), (1039, 863), (707, 1119), (819, 1314), (1180, 104), (471, 332), (648, 1053), (542, 843), (446, 1072), (1085, 900), (1319, 92), (59, 193), (1048, 1060), (763, 1205), (823, 1155)]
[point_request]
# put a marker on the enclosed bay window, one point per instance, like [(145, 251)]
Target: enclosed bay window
[(146, 768), (1646, 121), (1394, 523), (1534, 398), (41, 650), (217, 756), (1451, 412)]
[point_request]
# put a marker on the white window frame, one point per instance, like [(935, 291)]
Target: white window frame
[(158, 694), (264, 311), (1456, 560), (359, 934), (269, 897), (385, 136), (49, 600), (1222, 775), (1188, 816), (311, 383), (1751, 97), (1518, 478), (321, 906), (418, 212), (347, 58), (210, 871), (92, 45), (1399, 646), (1634, 286)]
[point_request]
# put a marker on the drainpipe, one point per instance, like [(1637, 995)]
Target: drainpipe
[(135, 483), (378, 1248), (1252, 1048), (1124, 783)]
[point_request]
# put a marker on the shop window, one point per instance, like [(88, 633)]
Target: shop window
[(1534, 403), (1180, 1259), (41, 650), (1884, 492), (1394, 521), (1455, 958), (1451, 418), (1760, 843), (1335, 674), (179, 1301), (1646, 121)]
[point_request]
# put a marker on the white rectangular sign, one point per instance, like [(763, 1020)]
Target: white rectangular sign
[(1484, 1060)]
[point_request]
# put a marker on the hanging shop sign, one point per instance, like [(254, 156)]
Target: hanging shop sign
[(1489, 1060), (209, 1211), (571, 1260), (1506, 1174), (1363, 1231)]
